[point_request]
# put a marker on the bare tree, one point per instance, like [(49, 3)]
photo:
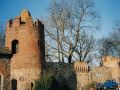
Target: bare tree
[(115, 39), (85, 47), (2, 36), (111, 44), (106, 47), (68, 20)]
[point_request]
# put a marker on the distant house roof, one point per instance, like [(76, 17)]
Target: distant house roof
[(5, 53)]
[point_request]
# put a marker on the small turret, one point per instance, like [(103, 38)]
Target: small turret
[(25, 14), (81, 69)]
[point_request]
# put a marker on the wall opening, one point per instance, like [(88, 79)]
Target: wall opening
[(14, 46), (0, 81), (38, 42), (14, 84), (31, 86)]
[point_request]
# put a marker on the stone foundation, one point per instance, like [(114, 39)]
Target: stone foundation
[(4, 74), (25, 77)]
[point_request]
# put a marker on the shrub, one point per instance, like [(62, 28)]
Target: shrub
[(45, 81), (90, 85)]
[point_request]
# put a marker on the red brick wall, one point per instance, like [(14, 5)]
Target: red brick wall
[(31, 49), (5, 71)]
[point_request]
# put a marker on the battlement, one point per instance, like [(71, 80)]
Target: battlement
[(17, 22), (81, 67), (24, 19), (110, 61), (110, 58)]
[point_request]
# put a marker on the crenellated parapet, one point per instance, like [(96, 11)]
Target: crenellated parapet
[(112, 62), (82, 74), (81, 67), (24, 19), (17, 22)]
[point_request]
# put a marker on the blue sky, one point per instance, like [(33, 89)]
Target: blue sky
[(11, 8), (109, 11)]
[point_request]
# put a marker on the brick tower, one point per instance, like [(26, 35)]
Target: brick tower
[(25, 39)]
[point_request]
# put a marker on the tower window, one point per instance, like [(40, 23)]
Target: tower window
[(31, 86), (14, 84), (38, 42), (14, 46), (0, 81)]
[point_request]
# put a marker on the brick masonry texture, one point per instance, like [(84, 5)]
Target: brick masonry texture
[(25, 77), (5, 71), (26, 63)]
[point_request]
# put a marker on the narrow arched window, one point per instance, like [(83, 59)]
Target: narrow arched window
[(31, 85), (14, 46), (84, 69), (13, 84), (0, 81), (78, 69), (38, 42)]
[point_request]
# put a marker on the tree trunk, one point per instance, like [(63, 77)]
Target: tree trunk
[(69, 58)]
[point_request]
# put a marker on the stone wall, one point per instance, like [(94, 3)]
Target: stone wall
[(64, 74), (100, 74), (113, 64), (82, 76), (5, 72), (78, 74), (25, 77)]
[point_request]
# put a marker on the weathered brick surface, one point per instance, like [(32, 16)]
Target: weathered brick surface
[(100, 74), (5, 71), (78, 74), (82, 76), (31, 48), (109, 70), (28, 49), (113, 64), (25, 77)]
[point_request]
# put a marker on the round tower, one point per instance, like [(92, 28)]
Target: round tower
[(25, 39)]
